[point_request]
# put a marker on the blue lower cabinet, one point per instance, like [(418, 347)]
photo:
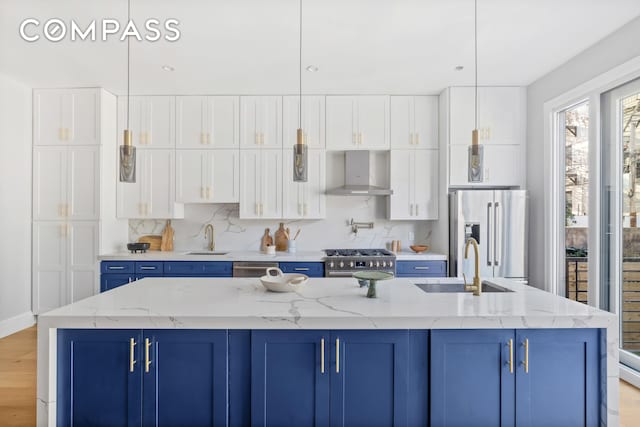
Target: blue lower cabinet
[(526, 377), (289, 378), (369, 374), (96, 385), (421, 268), (471, 379), (557, 383), (149, 268), (185, 378), (142, 377), (311, 269), (111, 281), (198, 269)]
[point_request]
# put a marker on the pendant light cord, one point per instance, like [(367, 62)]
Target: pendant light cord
[(475, 38), (300, 71), (128, 62)]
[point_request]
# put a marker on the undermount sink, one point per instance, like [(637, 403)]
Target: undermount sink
[(206, 253), (458, 287)]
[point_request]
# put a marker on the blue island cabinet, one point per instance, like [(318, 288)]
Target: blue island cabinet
[(338, 378), (528, 377), (142, 377)]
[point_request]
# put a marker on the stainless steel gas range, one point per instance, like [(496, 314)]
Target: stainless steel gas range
[(345, 262)]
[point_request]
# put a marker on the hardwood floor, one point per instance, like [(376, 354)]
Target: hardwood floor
[(18, 384)]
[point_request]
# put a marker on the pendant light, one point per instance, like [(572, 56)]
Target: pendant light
[(476, 151), (300, 148), (127, 150)]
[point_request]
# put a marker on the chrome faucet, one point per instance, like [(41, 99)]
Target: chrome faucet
[(208, 233), (476, 287)]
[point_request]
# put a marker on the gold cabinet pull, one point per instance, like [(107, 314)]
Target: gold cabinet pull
[(208, 192), (526, 355), (147, 361), (337, 355), (132, 360), (322, 356), (511, 356)]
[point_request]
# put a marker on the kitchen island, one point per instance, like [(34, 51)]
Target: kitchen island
[(409, 337)]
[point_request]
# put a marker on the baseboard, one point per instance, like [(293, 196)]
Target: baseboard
[(630, 375), (16, 323)]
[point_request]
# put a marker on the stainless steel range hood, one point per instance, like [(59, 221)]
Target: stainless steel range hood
[(356, 173)]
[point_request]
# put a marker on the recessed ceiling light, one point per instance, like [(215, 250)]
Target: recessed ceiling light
[(168, 68), (459, 68), (312, 68)]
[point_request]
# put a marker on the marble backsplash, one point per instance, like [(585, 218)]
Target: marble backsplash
[(235, 234)]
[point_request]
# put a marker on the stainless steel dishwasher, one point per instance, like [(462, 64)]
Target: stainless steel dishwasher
[(252, 269)]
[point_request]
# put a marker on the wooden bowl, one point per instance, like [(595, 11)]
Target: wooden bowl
[(419, 248)]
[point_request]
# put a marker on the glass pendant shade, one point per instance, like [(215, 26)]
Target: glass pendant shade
[(476, 159), (127, 159), (300, 158)]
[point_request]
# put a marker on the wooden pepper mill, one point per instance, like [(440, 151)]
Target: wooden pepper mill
[(282, 239), (267, 240)]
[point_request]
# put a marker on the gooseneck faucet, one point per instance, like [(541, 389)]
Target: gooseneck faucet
[(208, 233), (476, 287)]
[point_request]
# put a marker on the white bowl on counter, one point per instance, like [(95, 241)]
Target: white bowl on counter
[(280, 282)]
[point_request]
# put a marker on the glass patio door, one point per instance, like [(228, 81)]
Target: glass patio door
[(620, 203)]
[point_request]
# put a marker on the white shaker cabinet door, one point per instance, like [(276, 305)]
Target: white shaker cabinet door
[(503, 165), (50, 183), (400, 172), (502, 115), (85, 117), (425, 184), (261, 122), (271, 182), (191, 176), (49, 265), (250, 184), (342, 123), (224, 176), (83, 188), (305, 199), (461, 115), (160, 183), (130, 196), (82, 244), (151, 120), (373, 122), (51, 112), (425, 122), (207, 122), (313, 120)]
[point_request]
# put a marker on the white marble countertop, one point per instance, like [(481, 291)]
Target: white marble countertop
[(300, 256), (334, 303)]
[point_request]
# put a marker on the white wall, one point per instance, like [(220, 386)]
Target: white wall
[(15, 200), (608, 53)]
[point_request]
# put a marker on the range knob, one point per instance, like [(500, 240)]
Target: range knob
[(370, 263), (384, 263), (341, 264), (351, 264), (377, 263), (390, 263)]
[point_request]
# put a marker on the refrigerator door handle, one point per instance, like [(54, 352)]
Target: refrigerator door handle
[(497, 244), (489, 233)]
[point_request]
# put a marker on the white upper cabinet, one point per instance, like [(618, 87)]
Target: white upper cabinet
[(414, 180), (503, 166), (260, 122), (207, 176), (152, 120), (207, 122), (414, 122), (305, 199), (313, 120), (501, 115), (66, 116), (66, 183), (357, 122), (153, 193), (261, 184)]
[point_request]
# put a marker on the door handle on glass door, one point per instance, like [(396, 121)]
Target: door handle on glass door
[(497, 244), (489, 233)]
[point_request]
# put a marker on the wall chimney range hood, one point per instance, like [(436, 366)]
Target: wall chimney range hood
[(356, 173)]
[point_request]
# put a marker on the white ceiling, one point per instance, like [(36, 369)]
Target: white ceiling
[(360, 46)]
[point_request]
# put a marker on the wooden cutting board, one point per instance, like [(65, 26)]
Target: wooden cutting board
[(155, 242)]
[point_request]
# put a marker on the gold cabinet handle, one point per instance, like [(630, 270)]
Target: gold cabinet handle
[(132, 360), (202, 138), (337, 355), (526, 355), (511, 356), (208, 192), (322, 356), (147, 361), (60, 134)]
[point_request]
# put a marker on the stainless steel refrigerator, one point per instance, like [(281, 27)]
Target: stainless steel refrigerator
[(497, 219)]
